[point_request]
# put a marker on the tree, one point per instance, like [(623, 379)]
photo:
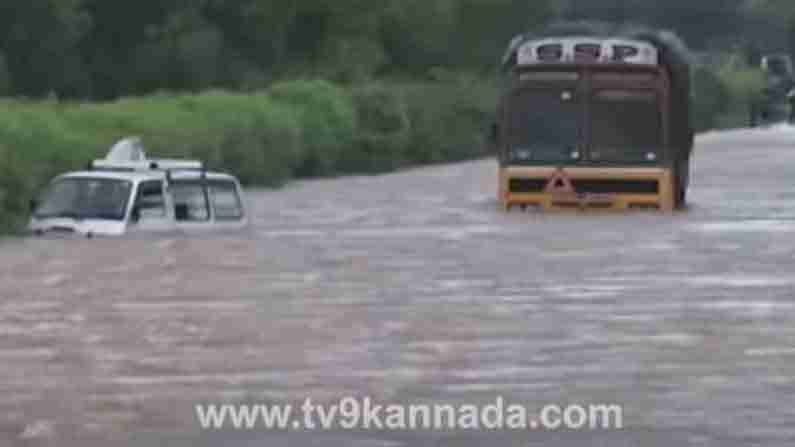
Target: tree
[(776, 19), (338, 38), (484, 27), (5, 77), (107, 48), (418, 34), (254, 31), (39, 39)]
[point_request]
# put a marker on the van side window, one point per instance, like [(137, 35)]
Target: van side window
[(190, 202), (226, 201), (150, 202)]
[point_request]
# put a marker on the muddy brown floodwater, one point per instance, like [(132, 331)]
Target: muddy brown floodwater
[(413, 286)]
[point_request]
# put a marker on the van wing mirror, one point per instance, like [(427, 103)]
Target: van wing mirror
[(32, 205)]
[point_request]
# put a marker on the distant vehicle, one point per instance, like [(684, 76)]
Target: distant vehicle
[(127, 193), (775, 104), (778, 65), (594, 122)]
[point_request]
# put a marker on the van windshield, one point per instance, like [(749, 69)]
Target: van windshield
[(85, 198)]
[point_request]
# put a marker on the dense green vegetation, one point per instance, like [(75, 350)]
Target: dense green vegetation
[(103, 49), (297, 128), (236, 82)]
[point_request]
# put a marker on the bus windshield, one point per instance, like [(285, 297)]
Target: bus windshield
[(544, 125), (626, 126)]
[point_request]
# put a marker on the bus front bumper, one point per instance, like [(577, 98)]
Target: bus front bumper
[(587, 188)]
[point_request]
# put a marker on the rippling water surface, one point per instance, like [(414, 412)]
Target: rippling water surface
[(412, 286)]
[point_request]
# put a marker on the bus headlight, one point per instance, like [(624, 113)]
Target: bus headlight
[(651, 156)]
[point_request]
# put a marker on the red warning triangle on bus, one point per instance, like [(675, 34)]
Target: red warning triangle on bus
[(559, 183)]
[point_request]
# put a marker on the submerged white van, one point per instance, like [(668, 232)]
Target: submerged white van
[(127, 193)]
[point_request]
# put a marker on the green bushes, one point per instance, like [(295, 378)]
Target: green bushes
[(328, 118), (12, 188), (255, 136), (724, 92), (745, 85), (384, 130), (711, 98), (449, 120), (294, 129), (403, 124)]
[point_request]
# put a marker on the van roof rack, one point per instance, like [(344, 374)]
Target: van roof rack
[(148, 165), (129, 155)]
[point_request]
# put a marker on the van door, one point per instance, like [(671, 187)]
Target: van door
[(226, 204), (191, 205), (150, 211)]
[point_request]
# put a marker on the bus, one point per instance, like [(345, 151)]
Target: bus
[(594, 122)]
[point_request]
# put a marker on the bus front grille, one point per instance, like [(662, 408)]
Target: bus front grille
[(587, 186)]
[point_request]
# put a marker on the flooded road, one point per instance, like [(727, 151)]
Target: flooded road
[(413, 286)]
